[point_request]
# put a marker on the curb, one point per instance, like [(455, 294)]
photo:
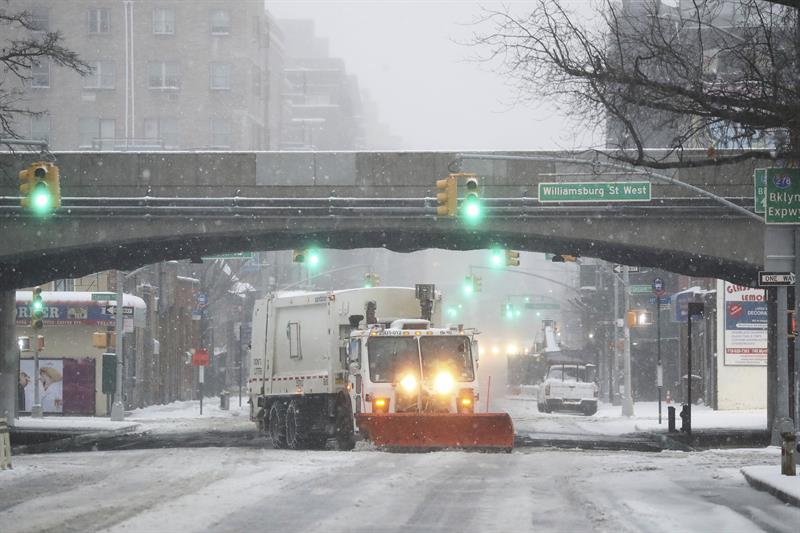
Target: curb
[(766, 487)]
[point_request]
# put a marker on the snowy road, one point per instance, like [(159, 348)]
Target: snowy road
[(226, 489)]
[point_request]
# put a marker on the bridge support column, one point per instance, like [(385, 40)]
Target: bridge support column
[(9, 356)]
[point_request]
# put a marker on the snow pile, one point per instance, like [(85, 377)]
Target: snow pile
[(770, 477), (72, 423)]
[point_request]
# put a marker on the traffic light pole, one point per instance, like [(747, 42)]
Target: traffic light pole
[(627, 400), (36, 409), (118, 408)]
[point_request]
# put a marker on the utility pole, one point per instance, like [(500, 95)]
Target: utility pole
[(36, 409), (118, 408), (9, 356), (613, 397), (782, 382), (627, 401)]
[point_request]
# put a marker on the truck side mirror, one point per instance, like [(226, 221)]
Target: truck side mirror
[(354, 367)]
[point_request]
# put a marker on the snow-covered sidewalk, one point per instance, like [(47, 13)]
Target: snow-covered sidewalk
[(609, 420), (174, 417), (183, 416)]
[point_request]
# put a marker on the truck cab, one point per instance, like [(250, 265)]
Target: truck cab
[(569, 386), (409, 366)]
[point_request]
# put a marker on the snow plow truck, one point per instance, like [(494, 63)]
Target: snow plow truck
[(368, 362)]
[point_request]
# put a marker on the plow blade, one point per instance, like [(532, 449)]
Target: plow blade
[(438, 430)]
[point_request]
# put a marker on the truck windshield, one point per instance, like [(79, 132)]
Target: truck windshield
[(391, 356), (451, 353)]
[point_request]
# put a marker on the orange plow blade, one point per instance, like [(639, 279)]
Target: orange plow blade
[(438, 430)]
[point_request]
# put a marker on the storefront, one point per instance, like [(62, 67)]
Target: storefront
[(70, 367)]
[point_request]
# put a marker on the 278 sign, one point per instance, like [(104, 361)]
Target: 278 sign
[(782, 196)]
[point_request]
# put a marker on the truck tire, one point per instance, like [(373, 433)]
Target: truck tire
[(345, 432), (590, 409), (298, 424), (276, 424)]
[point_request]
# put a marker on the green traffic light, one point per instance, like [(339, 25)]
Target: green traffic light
[(313, 258), (468, 289), (452, 312), (472, 209), (41, 199), (497, 258), (38, 305)]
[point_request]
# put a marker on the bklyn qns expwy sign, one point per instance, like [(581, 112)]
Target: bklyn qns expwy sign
[(783, 196)]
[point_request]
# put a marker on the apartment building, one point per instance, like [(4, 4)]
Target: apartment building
[(205, 74)]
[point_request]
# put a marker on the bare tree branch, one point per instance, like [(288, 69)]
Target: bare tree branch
[(716, 74), (22, 47)]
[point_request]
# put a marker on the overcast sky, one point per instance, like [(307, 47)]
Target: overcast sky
[(407, 56)]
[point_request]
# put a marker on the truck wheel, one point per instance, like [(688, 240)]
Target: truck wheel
[(589, 410), (276, 424), (345, 434), (297, 435)]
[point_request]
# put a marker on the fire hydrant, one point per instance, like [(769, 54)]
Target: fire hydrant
[(788, 447)]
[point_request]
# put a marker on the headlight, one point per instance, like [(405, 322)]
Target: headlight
[(409, 383), (444, 383)]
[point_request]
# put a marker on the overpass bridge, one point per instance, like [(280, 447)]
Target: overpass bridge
[(124, 210)]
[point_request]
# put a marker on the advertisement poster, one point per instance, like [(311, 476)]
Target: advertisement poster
[(745, 326), (51, 385)]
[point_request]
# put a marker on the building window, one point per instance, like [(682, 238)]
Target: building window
[(164, 75), (257, 81), (102, 75), (40, 75), (64, 285), (40, 128), (163, 21), (220, 133), (161, 131), (220, 22), (98, 20), (220, 76), (40, 18), (97, 133)]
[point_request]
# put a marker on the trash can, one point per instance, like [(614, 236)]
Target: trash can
[(225, 401)]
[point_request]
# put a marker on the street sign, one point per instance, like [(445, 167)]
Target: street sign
[(542, 305), (662, 300), (614, 191), (760, 189), (775, 279), (200, 357), (658, 286), (232, 255), (618, 268), (202, 299), (639, 289), (783, 196), (127, 310), (103, 296)]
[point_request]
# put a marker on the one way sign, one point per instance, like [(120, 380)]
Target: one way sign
[(618, 268), (775, 279)]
